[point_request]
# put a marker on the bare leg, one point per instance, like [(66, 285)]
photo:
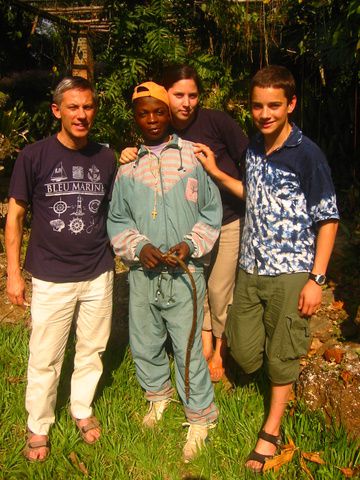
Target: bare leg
[(207, 342), (280, 395), (216, 363)]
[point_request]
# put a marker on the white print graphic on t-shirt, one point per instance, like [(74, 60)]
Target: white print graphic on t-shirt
[(59, 173), (79, 210), (94, 174), (61, 185), (94, 206), (60, 207), (76, 225), (78, 172), (90, 228), (57, 225), (76, 185)]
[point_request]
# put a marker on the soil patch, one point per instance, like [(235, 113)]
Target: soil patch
[(330, 376)]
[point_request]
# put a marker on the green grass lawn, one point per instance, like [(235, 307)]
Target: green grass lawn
[(128, 451)]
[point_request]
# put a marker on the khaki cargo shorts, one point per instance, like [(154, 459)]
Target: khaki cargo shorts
[(264, 325)]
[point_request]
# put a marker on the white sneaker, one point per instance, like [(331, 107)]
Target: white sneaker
[(195, 439), (155, 413)]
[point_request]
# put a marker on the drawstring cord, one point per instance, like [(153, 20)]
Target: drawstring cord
[(159, 291), (181, 168), (171, 293)]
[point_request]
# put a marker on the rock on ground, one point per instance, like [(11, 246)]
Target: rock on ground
[(330, 376)]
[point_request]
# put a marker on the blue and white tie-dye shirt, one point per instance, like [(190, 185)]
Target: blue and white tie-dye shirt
[(288, 192)]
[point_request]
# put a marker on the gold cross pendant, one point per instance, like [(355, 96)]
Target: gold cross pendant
[(154, 214)]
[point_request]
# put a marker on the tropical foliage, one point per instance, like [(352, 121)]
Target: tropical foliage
[(227, 41), (13, 129)]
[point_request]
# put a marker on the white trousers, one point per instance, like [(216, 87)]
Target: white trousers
[(54, 307)]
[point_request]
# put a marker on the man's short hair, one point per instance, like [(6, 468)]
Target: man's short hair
[(275, 76), (69, 83)]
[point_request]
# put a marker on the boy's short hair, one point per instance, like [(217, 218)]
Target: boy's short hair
[(68, 83), (151, 89), (274, 76)]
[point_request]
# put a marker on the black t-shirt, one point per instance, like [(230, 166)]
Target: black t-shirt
[(226, 139), (69, 192)]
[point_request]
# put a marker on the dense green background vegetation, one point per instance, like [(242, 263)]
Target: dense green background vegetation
[(226, 41)]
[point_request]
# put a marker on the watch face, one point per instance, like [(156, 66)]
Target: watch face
[(319, 279)]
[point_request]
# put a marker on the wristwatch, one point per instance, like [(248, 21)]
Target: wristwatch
[(318, 278)]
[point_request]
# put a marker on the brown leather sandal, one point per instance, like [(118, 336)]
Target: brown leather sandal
[(92, 423), (259, 457), (31, 446)]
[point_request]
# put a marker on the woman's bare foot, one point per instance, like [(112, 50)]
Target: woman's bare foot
[(217, 361)]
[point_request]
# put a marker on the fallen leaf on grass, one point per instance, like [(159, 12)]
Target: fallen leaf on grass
[(350, 472), (76, 462), (290, 445), (337, 305), (286, 455), (305, 468), (15, 379), (313, 457)]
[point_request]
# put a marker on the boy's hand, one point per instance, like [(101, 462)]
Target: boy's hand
[(309, 298), (129, 154), (181, 250), (150, 256)]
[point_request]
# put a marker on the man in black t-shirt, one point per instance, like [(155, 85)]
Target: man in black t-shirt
[(66, 180)]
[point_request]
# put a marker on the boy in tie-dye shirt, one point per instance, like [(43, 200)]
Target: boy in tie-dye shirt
[(289, 232)]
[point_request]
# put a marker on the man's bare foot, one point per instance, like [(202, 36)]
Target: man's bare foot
[(37, 447), (207, 342)]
